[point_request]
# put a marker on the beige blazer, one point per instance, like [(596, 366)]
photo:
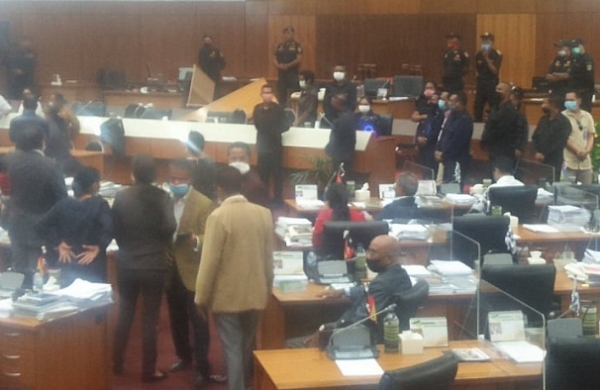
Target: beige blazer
[(193, 220), (236, 272)]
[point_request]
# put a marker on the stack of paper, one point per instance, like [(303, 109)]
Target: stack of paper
[(310, 204), (568, 218), (85, 294), (294, 230), (450, 268), (544, 196), (409, 231), (521, 351), (416, 271), (461, 199), (541, 228), (42, 306)]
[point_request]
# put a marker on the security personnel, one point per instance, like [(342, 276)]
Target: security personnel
[(558, 71), (456, 64), (581, 75), (488, 61), (288, 55)]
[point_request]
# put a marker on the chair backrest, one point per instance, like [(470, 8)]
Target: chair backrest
[(239, 117), (131, 110), (517, 200), (488, 231), (385, 124), (436, 374), (156, 113), (409, 301), (572, 363), (408, 86), (95, 146)]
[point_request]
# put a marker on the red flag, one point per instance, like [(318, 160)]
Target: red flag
[(348, 248), (339, 177), (371, 307)]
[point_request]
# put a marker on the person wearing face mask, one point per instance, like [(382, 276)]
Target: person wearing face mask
[(454, 147), (581, 140), (366, 118), (340, 85), (211, 61), (501, 136), (558, 71), (191, 210), (488, 61), (456, 64), (253, 189), (581, 74), (429, 131), (551, 134), (288, 55), (270, 122), (309, 100)]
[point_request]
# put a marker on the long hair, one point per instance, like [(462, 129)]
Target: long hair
[(337, 197)]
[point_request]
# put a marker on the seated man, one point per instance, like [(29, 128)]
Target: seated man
[(383, 257), (404, 206), (503, 170), (253, 189)]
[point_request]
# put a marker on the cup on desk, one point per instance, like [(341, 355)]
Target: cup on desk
[(514, 221), (350, 186), (362, 195), (496, 210)]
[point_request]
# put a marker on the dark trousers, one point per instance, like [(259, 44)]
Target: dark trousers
[(427, 159), (150, 285), (287, 83), (24, 260), (586, 101), (182, 313), (485, 93), (450, 169), (453, 85), (269, 164)]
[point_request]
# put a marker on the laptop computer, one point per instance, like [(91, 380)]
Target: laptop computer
[(332, 271), (9, 283)]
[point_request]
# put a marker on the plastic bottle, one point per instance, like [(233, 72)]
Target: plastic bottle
[(311, 262), (391, 333), (38, 281), (360, 264)]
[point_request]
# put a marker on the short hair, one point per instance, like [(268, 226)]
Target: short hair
[(408, 182), (308, 75), (575, 92), (30, 102), (60, 98), (84, 180), (240, 145), (504, 165), (556, 101), (181, 163), (266, 86), (229, 179), (195, 142), (144, 169), (462, 97), (30, 137), (289, 29)]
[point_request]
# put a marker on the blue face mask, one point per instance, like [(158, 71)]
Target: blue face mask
[(576, 50), (179, 190), (442, 104), (486, 46), (571, 105)]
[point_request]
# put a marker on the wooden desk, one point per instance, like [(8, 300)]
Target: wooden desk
[(158, 99), (81, 91), (71, 352), (312, 369), (85, 157)]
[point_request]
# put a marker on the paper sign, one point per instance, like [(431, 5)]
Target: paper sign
[(306, 192), (433, 329), (387, 191), (506, 325)]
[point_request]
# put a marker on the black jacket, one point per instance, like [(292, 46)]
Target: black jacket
[(342, 139), (501, 135)]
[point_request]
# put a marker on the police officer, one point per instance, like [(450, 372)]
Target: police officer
[(212, 62), (488, 61), (581, 75), (288, 55), (456, 64), (558, 71)]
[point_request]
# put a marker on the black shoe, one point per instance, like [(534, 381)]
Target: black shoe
[(156, 377), (181, 365)]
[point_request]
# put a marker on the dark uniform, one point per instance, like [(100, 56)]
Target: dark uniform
[(486, 82), (581, 78), (21, 72), (456, 62), (285, 53), (346, 88), (560, 64), (212, 66)]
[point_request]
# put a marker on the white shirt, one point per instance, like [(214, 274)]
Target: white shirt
[(504, 181), (5, 107)]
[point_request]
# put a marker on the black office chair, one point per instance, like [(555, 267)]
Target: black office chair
[(290, 116), (385, 124), (436, 374), (516, 200), (238, 117), (408, 303), (95, 146), (489, 231), (531, 284), (134, 110), (156, 113), (572, 363)]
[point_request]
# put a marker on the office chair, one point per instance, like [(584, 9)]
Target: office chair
[(516, 200), (531, 284), (408, 86), (385, 124), (436, 374), (156, 113), (94, 109), (408, 303), (239, 117), (488, 231), (133, 110), (95, 146), (572, 363)]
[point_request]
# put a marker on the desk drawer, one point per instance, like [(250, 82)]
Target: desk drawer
[(14, 339), (17, 370)]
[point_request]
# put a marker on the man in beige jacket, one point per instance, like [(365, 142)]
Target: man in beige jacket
[(236, 273)]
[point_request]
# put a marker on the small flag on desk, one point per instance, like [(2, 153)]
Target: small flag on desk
[(41, 265), (348, 248), (371, 308), (339, 177)]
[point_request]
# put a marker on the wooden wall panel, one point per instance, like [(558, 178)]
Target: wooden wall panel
[(292, 7), (550, 28), (516, 39), (506, 7), (305, 29), (551, 6), (257, 52), (449, 7), (586, 26), (586, 6)]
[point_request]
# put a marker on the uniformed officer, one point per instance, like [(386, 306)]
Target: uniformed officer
[(581, 75), (488, 61), (212, 62), (456, 64), (288, 55), (558, 71)]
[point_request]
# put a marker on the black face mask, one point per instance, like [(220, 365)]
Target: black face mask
[(375, 265)]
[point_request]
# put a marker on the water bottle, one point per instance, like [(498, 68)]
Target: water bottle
[(38, 281), (391, 333), (360, 264), (311, 263)]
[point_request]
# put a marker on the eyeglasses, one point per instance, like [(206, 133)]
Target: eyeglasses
[(579, 124)]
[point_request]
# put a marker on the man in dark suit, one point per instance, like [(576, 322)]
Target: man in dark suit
[(29, 117), (342, 139), (339, 86), (36, 185), (404, 207)]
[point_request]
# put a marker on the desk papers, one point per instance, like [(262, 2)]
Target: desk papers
[(359, 367), (450, 268), (541, 228)]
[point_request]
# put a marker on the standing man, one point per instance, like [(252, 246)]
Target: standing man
[(456, 64), (236, 274), (342, 138), (288, 55), (21, 69), (203, 169), (211, 61), (339, 86), (253, 189), (454, 146), (309, 99), (581, 140), (270, 122), (28, 118), (581, 75), (501, 135), (551, 134), (488, 61), (191, 210), (558, 71)]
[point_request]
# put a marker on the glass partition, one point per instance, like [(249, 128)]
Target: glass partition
[(566, 194), (533, 172), (420, 171)]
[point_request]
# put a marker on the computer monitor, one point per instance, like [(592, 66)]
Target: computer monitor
[(185, 73), (360, 232)]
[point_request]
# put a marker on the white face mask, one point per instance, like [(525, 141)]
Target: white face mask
[(241, 166), (364, 108), (302, 84), (339, 76)]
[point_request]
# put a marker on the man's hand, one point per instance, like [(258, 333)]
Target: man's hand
[(582, 154), (88, 255), (331, 294), (421, 140), (539, 157), (438, 156), (518, 153), (65, 254)]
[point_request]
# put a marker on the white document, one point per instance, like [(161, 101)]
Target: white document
[(359, 367), (541, 228), (506, 325), (288, 263), (521, 351), (450, 267), (426, 188), (306, 192), (387, 191), (433, 329), (416, 270)]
